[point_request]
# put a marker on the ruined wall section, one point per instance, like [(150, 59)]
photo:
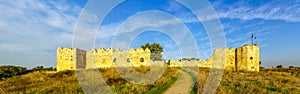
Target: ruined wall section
[(115, 57)]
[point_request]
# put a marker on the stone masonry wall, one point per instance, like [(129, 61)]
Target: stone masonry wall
[(245, 58)]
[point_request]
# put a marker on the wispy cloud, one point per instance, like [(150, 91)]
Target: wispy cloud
[(35, 27), (271, 10)]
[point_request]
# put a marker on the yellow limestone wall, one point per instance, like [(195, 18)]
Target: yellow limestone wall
[(236, 59), (245, 58), (72, 58), (248, 58), (230, 59)]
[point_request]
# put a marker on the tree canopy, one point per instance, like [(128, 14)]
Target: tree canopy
[(156, 50)]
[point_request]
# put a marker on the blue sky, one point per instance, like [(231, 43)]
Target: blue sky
[(31, 30)]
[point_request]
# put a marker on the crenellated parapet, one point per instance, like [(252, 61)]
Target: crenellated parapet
[(245, 58), (73, 58)]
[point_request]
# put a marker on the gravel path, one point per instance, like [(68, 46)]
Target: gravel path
[(183, 85)]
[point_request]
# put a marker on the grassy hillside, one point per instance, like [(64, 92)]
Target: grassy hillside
[(66, 82), (277, 80), (267, 81)]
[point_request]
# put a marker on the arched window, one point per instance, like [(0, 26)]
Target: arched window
[(128, 60), (115, 60), (142, 60)]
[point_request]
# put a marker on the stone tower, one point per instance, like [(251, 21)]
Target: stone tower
[(70, 59), (247, 58)]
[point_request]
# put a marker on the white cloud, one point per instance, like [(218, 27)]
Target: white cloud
[(34, 29), (272, 10)]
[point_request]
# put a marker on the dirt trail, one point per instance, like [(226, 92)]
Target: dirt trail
[(183, 85)]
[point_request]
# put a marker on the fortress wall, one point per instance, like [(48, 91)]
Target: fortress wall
[(204, 63), (241, 59), (253, 61), (218, 59), (121, 58), (133, 57), (190, 63), (104, 58), (245, 58), (230, 59), (248, 58), (70, 59), (65, 59), (175, 63), (111, 57), (80, 59), (139, 57), (91, 59)]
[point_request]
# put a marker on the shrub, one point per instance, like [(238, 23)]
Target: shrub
[(10, 71), (65, 73), (38, 68), (279, 66)]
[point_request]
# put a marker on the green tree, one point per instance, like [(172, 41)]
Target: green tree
[(279, 66), (156, 50), (291, 66), (8, 71), (38, 68), (259, 62)]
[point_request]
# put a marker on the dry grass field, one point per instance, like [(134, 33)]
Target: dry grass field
[(66, 82), (276, 80), (281, 80)]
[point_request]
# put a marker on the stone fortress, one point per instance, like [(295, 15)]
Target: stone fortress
[(245, 58)]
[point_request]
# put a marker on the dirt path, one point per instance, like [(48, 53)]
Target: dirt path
[(183, 85)]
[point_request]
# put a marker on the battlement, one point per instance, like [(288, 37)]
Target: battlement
[(74, 58), (245, 58)]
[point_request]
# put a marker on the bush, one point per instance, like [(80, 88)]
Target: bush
[(38, 68), (291, 66), (65, 73), (41, 68), (10, 71), (279, 66)]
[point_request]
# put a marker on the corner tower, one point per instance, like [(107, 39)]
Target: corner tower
[(70, 59), (247, 58)]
